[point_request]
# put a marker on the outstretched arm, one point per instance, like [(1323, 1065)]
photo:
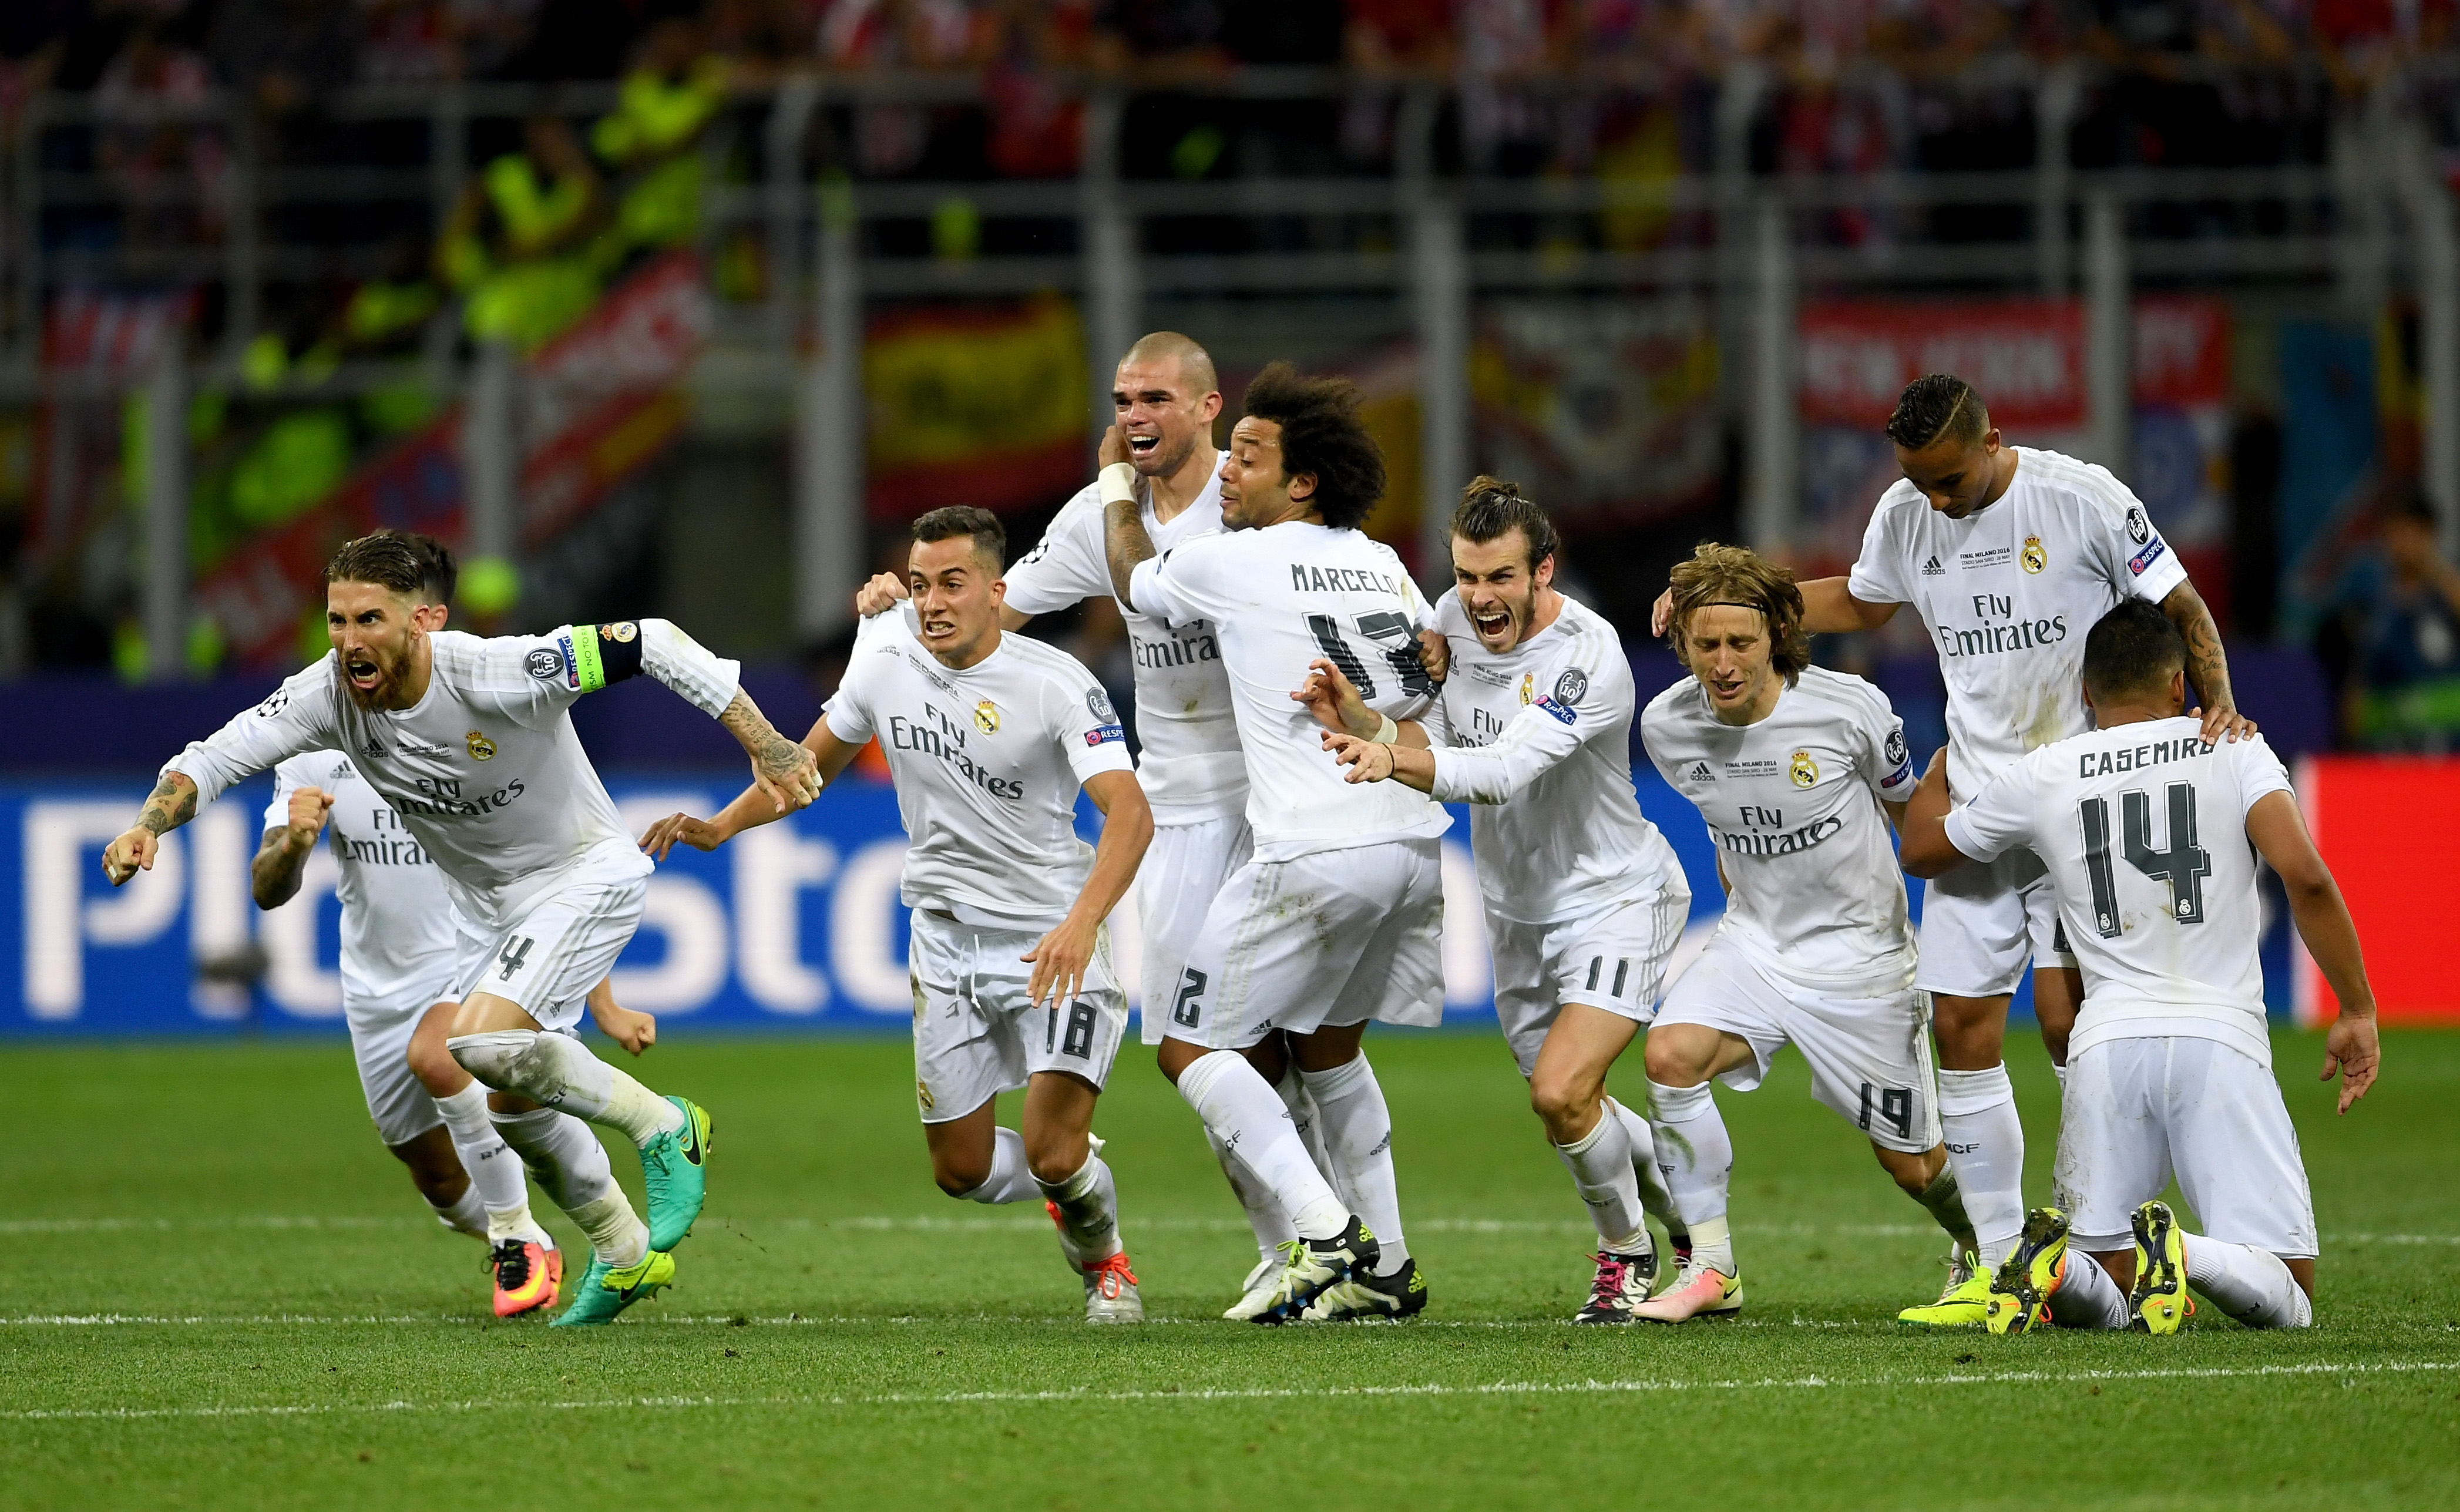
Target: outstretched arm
[(172, 804), (2322, 915), (751, 807), (2207, 665), (1060, 957), (783, 772), (1921, 828), (1124, 539)]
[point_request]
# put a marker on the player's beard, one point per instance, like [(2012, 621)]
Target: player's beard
[(1164, 461), (1519, 613), (388, 670)]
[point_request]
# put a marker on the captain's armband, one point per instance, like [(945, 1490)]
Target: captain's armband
[(604, 654)]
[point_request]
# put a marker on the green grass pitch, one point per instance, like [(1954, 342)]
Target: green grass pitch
[(218, 1290)]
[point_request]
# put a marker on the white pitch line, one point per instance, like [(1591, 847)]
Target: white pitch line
[(1585, 1388)]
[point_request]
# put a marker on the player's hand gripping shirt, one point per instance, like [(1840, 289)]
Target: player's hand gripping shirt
[(2143, 829), (987, 762), (1189, 766), (1279, 598), (1815, 895), (2008, 593), (1539, 739), (485, 768), (398, 931)]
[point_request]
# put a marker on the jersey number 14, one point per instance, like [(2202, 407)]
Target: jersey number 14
[(2183, 864)]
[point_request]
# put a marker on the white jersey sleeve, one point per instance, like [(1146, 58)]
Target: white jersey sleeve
[(848, 709), (1887, 761), (1580, 700), (1878, 573), (1999, 818), (298, 716), (1067, 566), (289, 777), (1085, 724), (583, 658), (1179, 585)]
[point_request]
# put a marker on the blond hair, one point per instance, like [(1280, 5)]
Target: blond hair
[(1741, 578)]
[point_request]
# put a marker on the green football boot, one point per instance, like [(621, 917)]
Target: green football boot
[(674, 1168), (2019, 1293), (605, 1291), (2159, 1302), (1963, 1304)]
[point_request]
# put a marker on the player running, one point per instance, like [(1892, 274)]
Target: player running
[(988, 736), (2007, 555), (1797, 770), (1189, 767), (2169, 1064), (1585, 899), (470, 741), (1335, 919)]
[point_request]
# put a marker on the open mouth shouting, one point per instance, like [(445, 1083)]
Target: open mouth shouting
[(367, 676), (1143, 447)]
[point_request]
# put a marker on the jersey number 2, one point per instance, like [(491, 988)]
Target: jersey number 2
[(2184, 864)]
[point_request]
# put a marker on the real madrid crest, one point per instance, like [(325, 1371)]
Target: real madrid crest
[(2034, 558), (987, 718), (1528, 686), (481, 748), (1804, 771)]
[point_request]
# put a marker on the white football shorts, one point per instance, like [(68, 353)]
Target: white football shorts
[(552, 956), (397, 1100), (976, 1031), (1868, 1056), (1184, 869), (2140, 1111), (1614, 960), (1982, 923), (1324, 941)]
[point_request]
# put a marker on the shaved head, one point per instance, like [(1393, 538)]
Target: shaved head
[(1194, 363)]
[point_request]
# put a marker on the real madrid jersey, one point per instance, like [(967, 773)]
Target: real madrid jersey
[(2143, 829), (398, 931), (485, 768), (1539, 739), (1189, 766), (987, 762), (1279, 598), (1814, 897), (2007, 594)]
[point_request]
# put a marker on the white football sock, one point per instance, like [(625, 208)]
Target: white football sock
[(468, 1215), (1236, 1103), (2252, 1286), (1602, 1173), (559, 1071), (1089, 1212), (2060, 1071), (1986, 1143), (495, 1171), (564, 1156), (1697, 1156), (2087, 1296), (1009, 1181), (1263, 1209), (616, 1233), (1308, 1120), (1358, 1137), (1654, 1199)]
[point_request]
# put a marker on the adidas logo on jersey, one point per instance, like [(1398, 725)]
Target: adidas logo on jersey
[(1932, 569), (1700, 773)]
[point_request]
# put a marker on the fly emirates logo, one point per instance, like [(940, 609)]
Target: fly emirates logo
[(2001, 629), (938, 735)]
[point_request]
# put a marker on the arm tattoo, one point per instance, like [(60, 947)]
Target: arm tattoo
[(172, 804), (1125, 541), (274, 876), (2207, 664), (777, 755)]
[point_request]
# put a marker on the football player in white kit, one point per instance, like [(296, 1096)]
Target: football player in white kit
[(2151, 829), (1336, 918), (2009, 555), (1189, 766), (470, 740), (988, 736), (1585, 899), (1797, 770)]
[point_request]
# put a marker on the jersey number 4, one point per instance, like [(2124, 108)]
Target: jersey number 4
[(1399, 650), (2184, 864)]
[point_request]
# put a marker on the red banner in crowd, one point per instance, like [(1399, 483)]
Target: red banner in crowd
[(2026, 356), (2387, 826), (601, 401)]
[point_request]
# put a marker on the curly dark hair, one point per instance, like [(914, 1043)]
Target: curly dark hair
[(1323, 437), (1743, 578), (1936, 407)]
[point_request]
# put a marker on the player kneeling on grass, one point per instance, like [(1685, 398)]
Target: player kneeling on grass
[(988, 736), (470, 741), (1796, 770), (1585, 899), (2169, 1067)]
